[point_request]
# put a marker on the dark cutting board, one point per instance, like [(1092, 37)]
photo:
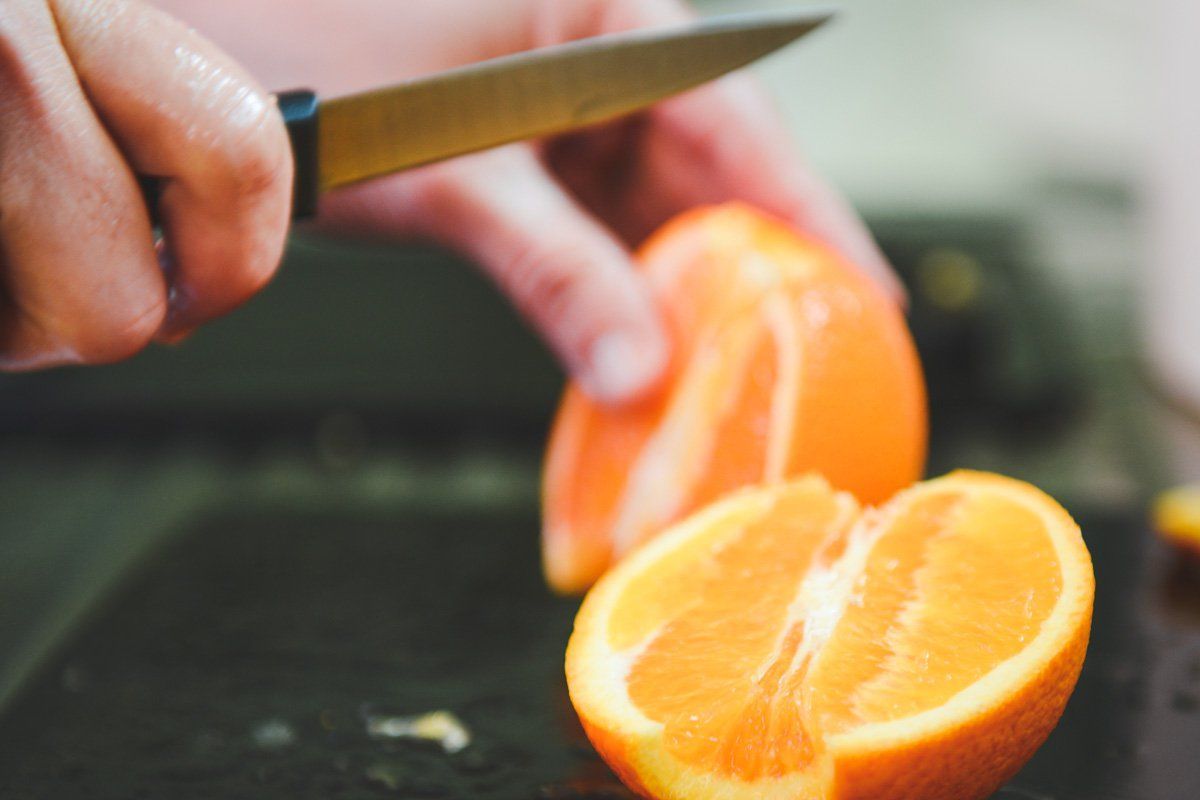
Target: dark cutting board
[(242, 659)]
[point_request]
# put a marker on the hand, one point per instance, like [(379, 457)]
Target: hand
[(551, 223), (92, 92)]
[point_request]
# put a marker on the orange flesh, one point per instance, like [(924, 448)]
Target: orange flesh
[(741, 690), (602, 443), (739, 444), (786, 361)]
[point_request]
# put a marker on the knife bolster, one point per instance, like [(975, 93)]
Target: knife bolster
[(299, 109)]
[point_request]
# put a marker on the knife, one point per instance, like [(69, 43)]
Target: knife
[(536, 93)]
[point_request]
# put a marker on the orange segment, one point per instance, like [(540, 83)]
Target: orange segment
[(784, 643), (786, 360), (737, 623), (858, 652), (972, 591), (740, 440), (594, 443), (649, 600)]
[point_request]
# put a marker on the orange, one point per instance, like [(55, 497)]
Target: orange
[(785, 643), (786, 360), (1176, 515)]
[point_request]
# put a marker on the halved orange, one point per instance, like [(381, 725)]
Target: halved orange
[(784, 643), (786, 360)]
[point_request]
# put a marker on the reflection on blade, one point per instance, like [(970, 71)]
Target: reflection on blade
[(538, 93)]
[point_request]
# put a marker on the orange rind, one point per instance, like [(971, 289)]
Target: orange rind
[(786, 643), (786, 360)]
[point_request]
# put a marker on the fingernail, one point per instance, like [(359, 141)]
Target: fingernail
[(621, 366)]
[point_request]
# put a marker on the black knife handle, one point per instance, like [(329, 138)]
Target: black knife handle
[(299, 110)]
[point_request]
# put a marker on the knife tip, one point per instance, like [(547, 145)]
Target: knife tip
[(794, 21)]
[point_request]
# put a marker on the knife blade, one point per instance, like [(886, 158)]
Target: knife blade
[(536, 93)]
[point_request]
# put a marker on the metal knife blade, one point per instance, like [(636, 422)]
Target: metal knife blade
[(537, 93)]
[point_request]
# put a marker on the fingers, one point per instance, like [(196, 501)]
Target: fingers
[(91, 89), (181, 109), (725, 141), (80, 281), (565, 273)]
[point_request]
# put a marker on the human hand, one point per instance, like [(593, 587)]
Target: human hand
[(93, 92), (552, 222)]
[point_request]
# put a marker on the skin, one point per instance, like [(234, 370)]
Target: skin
[(93, 92)]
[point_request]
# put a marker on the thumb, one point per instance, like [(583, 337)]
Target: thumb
[(566, 274)]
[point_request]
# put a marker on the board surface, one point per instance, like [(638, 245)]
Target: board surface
[(245, 657)]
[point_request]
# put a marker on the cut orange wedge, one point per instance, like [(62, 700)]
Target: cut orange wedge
[(784, 643), (786, 360)]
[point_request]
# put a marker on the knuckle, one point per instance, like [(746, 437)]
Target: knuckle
[(256, 159), (261, 170), (545, 280)]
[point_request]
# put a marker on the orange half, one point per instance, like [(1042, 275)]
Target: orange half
[(784, 643), (786, 360)]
